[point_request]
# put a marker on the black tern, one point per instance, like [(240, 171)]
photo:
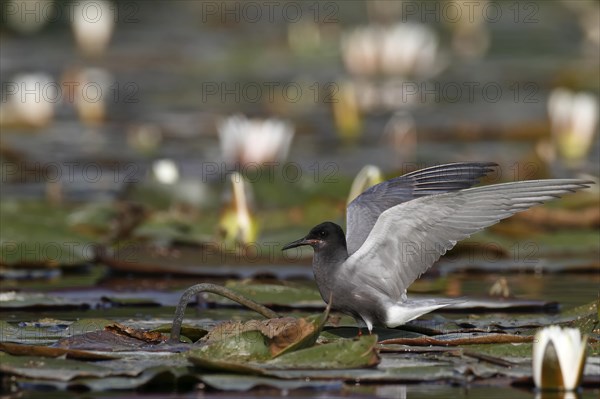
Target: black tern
[(397, 229)]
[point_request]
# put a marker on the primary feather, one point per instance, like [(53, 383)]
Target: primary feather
[(363, 212), (408, 238)]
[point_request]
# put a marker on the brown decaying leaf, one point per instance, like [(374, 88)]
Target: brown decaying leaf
[(281, 332), (484, 339), (151, 337), (46, 351), (105, 341)]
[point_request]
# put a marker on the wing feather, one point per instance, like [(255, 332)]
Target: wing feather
[(408, 238), (363, 212)]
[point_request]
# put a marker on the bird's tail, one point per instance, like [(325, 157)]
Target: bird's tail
[(402, 313)]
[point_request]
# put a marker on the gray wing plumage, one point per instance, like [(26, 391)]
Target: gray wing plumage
[(408, 238), (363, 212)]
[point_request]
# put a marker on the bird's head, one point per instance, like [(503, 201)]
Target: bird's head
[(325, 235)]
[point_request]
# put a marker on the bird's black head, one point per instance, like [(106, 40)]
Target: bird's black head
[(326, 234)]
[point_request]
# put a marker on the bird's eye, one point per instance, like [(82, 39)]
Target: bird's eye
[(322, 233)]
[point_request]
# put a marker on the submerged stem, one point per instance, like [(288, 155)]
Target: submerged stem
[(215, 289)]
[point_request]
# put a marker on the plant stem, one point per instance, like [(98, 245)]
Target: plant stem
[(194, 290)]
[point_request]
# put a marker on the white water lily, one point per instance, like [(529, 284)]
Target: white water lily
[(165, 171), (574, 123), (558, 358), (30, 101), (254, 140), (93, 23), (405, 49)]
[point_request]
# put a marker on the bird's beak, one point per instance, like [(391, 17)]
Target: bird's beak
[(298, 243)]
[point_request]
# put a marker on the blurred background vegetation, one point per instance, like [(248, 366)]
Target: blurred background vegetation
[(124, 120)]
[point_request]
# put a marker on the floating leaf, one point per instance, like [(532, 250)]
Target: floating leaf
[(509, 350), (336, 333), (115, 337), (284, 335), (341, 354), (287, 294), (192, 332), (35, 333), (46, 351), (37, 233), (151, 337), (227, 382), (167, 378), (232, 353), (461, 339), (307, 336), (48, 368), (38, 300)]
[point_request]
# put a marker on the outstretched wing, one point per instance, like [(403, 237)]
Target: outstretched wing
[(363, 212), (408, 238)]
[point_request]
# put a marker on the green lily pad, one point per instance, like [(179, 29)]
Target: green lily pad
[(233, 353), (513, 350), (46, 351), (277, 294), (336, 333), (341, 354), (39, 334), (166, 378), (49, 368), (37, 233), (227, 382), (94, 218), (38, 300)]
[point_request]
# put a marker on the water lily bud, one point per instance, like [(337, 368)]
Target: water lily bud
[(346, 112), (574, 122), (368, 176), (558, 358), (93, 24), (237, 224)]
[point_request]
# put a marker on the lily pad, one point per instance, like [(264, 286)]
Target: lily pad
[(455, 339), (227, 382), (192, 332), (335, 333), (38, 300), (285, 334), (48, 368), (35, 333), (510, 350), (288, 294), (115, 337), (166, 378), (46, 351), (37, 233), (341, 354), (233, 353)]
